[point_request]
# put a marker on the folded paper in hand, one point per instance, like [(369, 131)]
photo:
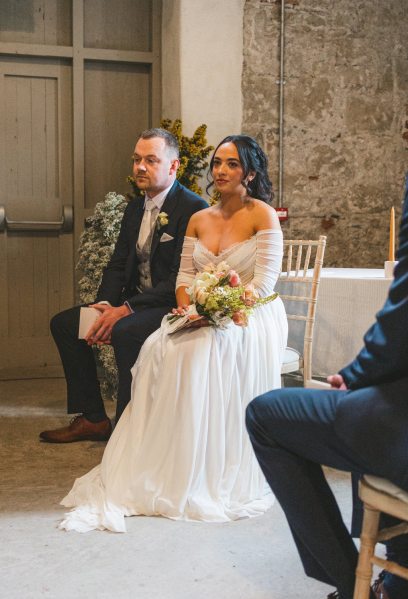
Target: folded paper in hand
[(176, 323), (87, 317)]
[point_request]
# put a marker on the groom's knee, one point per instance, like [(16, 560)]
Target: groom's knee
[(260, 411), (271, 412), (263, 404), (65, 323)]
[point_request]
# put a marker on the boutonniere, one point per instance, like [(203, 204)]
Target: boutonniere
[(162, 220)]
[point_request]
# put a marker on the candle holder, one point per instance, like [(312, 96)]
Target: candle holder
[(389, 266)]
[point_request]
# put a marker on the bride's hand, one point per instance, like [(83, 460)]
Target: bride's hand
[(195, 321), (180, 310)]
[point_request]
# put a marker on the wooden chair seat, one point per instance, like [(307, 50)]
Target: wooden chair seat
[(378, 496), (292, 361)]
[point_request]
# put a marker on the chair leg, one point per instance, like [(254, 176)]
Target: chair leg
[(368, 539)]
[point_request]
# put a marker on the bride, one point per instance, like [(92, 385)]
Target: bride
[(180, 449)]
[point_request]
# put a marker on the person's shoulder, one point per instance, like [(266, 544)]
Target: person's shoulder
[(200, 219), (262, 207), (132, 205), (265, 216), (204, 213), (133, 202), (189, 196)]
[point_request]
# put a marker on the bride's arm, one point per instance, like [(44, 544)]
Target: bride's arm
[(186, 272), (268, 263), (182, 298)]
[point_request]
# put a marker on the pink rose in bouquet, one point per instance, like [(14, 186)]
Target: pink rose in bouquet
[(234, 279), (249, 295), (240, 318)]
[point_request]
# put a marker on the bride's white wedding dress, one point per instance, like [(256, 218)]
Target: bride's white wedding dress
[(181, 449)]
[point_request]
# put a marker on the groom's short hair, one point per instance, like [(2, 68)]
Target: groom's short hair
[(170, 140)]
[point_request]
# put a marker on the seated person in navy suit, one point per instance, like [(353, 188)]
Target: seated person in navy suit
[(137, 288), (359, 426)]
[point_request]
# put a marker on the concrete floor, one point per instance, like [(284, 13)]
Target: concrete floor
[(156, 559)]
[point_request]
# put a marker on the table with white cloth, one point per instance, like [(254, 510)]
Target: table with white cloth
[(348, 301)]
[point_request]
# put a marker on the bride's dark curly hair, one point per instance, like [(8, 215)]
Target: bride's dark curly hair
[(253, 160)]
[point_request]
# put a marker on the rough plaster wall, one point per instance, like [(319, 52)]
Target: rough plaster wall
[(346, 110)]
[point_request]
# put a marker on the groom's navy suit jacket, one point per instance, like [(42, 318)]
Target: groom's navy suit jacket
[(373, 419), (121, 276)]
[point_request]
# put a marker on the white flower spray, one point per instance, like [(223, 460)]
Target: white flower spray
[(96, 245)]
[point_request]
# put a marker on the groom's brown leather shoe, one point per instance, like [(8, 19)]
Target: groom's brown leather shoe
[(79, 429)]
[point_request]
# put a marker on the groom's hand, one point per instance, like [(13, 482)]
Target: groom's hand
[(337, 382), (100, 332)]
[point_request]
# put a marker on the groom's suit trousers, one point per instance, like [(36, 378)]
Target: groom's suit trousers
[(78, 360), (293, 431)]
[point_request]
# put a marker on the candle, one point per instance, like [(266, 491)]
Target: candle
[(391, 251)]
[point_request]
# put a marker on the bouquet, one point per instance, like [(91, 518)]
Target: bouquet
[(218, 295)]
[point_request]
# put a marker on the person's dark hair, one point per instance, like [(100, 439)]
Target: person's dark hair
[(253, 159), (169, 138)]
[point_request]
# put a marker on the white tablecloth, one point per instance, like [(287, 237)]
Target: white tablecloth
[(348, 300)]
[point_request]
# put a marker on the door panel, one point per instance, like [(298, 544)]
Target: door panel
[(36, 135), (36, 22), (32, 145), (128, 27), (109, 86), (37, 267)]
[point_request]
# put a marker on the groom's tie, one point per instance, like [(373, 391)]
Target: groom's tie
[(144, 243), (148, 222)]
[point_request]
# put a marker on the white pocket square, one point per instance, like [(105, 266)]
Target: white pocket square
[(166, 237)]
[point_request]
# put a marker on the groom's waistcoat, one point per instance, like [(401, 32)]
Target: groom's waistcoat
[(143, 258)]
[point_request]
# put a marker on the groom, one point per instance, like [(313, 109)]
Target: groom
[(360, 426), (137, 288)]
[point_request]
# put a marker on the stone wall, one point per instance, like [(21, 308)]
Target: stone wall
[(346, 111)]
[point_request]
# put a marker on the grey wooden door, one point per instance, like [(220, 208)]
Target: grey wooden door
[(79, 80)]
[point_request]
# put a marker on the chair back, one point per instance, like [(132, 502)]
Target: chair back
[(299, 286)]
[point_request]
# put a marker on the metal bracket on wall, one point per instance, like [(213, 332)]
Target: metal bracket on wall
[(65, 225)]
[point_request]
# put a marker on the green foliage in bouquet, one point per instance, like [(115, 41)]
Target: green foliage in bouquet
[(194, 152), (95, 249)]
